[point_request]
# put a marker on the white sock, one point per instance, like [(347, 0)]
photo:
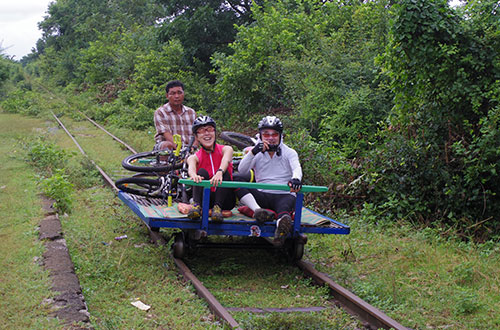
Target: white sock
[(250, 201)]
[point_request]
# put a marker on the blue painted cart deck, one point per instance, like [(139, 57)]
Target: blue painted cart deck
[(156, 214)]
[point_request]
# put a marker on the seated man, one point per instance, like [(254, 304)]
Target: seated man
[(212, 162), (173, 118), (272, 162)]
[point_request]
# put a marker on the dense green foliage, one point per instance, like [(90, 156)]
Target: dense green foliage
[(4, 70), (394, 104), (71, 25), (440, 161), (204, 27), (316, 59), (11, 74)]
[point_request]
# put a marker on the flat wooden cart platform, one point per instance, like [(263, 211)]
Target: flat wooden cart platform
[(157, 214)]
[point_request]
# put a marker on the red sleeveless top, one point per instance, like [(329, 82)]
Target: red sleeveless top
[(211, 161)]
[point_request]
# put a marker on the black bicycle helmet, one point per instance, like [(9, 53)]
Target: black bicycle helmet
[(203, 121), (271, 122)]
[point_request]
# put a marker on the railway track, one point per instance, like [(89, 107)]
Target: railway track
[(371, 317)]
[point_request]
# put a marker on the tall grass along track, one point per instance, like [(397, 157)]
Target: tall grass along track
[(371, 317)]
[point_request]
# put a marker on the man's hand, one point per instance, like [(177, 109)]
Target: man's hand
[(167, 145), (259, 147), (295, 185)]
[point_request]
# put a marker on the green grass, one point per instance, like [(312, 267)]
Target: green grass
[(266, 279), (417, 277), (114, 273), (24, 285)]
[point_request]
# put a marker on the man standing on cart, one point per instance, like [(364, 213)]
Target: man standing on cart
[(212, 162), (272, 162), (173, 118)]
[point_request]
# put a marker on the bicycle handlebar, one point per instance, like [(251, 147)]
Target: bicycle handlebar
[(253, 185)]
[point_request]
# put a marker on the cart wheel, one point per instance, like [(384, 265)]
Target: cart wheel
[(179, 247), (155, 229), (297, 250)]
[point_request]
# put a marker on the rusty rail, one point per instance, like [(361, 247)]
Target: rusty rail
[(107, 132), (108, 179), (373, 317), (203, 292)]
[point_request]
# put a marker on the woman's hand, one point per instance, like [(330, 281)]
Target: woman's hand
[(197, 178), (216, 179)]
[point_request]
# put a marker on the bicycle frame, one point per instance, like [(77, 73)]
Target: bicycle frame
[(168, 171)]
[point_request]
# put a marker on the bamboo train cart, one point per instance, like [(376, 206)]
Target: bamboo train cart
[(156, 214)]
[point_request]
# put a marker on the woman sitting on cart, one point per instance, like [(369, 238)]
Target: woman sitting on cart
[(212, 162)]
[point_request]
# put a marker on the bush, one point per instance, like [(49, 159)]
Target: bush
[(136, 104), (252, 78), (60, 189), (317, 61), (440, 161), (83, 174), (324, 163), (46, 156), (15, 102)]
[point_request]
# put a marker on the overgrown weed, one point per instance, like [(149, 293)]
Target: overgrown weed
[(58, 187), (45, 155), (395, 266)]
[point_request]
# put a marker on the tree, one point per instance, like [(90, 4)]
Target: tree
[(204, 27), (316, 59), (71, 25), (111, 58), (442, 154)]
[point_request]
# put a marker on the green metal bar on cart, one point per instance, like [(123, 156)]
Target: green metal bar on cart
[(253, 185)]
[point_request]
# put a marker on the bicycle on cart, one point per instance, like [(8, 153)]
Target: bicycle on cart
[(159, 171), (158, 174)]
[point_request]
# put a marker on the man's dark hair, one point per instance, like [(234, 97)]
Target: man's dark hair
[(174, 83)]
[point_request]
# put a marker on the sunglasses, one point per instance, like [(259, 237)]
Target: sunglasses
[(268, 135), (205, 130)]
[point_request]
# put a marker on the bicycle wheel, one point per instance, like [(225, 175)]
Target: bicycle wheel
[(140, 186), (149, 161), (237, 139)]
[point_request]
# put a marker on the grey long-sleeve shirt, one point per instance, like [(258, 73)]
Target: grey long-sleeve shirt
[(276, 170)]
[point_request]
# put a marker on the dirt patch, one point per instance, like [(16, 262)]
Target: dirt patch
[(69, 303)]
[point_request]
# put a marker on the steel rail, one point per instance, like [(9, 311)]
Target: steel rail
[(108, 180), (214, 305), (374, 318), (107, 132)]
